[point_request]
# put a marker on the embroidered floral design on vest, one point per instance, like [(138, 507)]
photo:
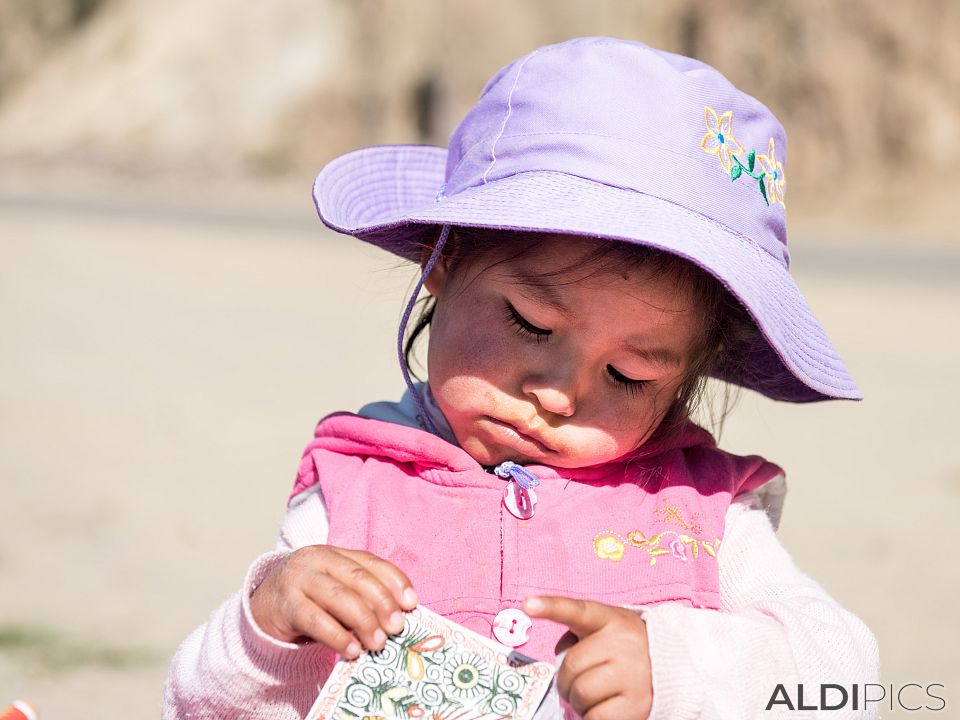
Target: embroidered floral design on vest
[(672, 514), (677, 548), (611, 545), (719, 141)]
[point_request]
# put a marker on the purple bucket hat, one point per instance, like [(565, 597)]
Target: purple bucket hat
[(611, 138)]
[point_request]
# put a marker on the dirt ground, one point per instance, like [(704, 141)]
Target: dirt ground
[(163, 361)]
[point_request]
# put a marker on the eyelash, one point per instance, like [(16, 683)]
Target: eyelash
[(631, 386), (526, 329)]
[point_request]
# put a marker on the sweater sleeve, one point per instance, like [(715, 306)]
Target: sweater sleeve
[(230, 668), (776, 627)]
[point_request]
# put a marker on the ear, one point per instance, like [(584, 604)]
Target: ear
[(438, 274)]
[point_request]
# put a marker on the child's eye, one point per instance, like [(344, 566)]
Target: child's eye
[(524, 327), (629, 384)]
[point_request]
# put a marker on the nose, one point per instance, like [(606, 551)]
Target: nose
[(551, 397)]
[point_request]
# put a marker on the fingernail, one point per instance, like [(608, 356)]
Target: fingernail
[(396, 623), (410, 598), (353, 650), (379, 638), (533, 604)]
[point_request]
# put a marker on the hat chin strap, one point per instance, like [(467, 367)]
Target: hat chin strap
[(423, 417)]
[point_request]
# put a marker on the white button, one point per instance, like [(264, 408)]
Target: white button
[(511, 627)]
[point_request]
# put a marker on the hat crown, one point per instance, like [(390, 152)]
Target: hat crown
[(623, 114)]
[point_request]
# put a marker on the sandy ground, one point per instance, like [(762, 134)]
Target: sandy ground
[(163, 363)]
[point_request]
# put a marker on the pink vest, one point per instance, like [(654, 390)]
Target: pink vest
[(623, 533)]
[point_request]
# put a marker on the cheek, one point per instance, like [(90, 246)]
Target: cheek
[(610, 437), (582, 446), (467, 346), (610, 429)]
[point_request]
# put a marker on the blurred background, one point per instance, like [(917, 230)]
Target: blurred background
[(174, 319)]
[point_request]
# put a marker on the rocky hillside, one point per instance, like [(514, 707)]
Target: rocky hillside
[(869, 92)]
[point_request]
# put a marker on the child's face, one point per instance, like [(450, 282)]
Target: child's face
[(572, 373)]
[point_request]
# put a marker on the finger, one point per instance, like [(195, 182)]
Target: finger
[(592, 687), (378, 596), (566, 641), (583, 617), (348, 608), (617, 708), (389, 574), (587, 654), (311, 621)]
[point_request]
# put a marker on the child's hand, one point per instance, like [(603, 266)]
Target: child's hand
[(605, 675), (341, 598)]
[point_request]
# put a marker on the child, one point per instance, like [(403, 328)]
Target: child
[(605, 230)]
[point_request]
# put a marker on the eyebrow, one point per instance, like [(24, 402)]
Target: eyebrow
[(548, 295), (545, 294), (664, 357)]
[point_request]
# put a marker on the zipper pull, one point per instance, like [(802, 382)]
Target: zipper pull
[(518, 496)]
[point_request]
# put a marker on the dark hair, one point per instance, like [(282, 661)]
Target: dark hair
[(727, 329)]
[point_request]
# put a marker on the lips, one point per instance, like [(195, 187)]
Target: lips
[(521, 437)]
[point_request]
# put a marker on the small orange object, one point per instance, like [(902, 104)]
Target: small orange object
[(20, 710)]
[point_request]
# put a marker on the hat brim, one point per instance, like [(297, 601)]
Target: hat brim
[(387, 195)]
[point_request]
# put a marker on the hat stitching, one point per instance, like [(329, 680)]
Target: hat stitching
[(719, 225), (624, 138), (802, 359), (506, 117), (511, 136)]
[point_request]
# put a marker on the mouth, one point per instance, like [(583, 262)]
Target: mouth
[(524, 441)]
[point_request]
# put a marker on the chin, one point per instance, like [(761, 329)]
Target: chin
[(488, 456)]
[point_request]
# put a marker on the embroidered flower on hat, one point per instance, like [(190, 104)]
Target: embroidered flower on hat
[(719, 139), (774, 177)]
